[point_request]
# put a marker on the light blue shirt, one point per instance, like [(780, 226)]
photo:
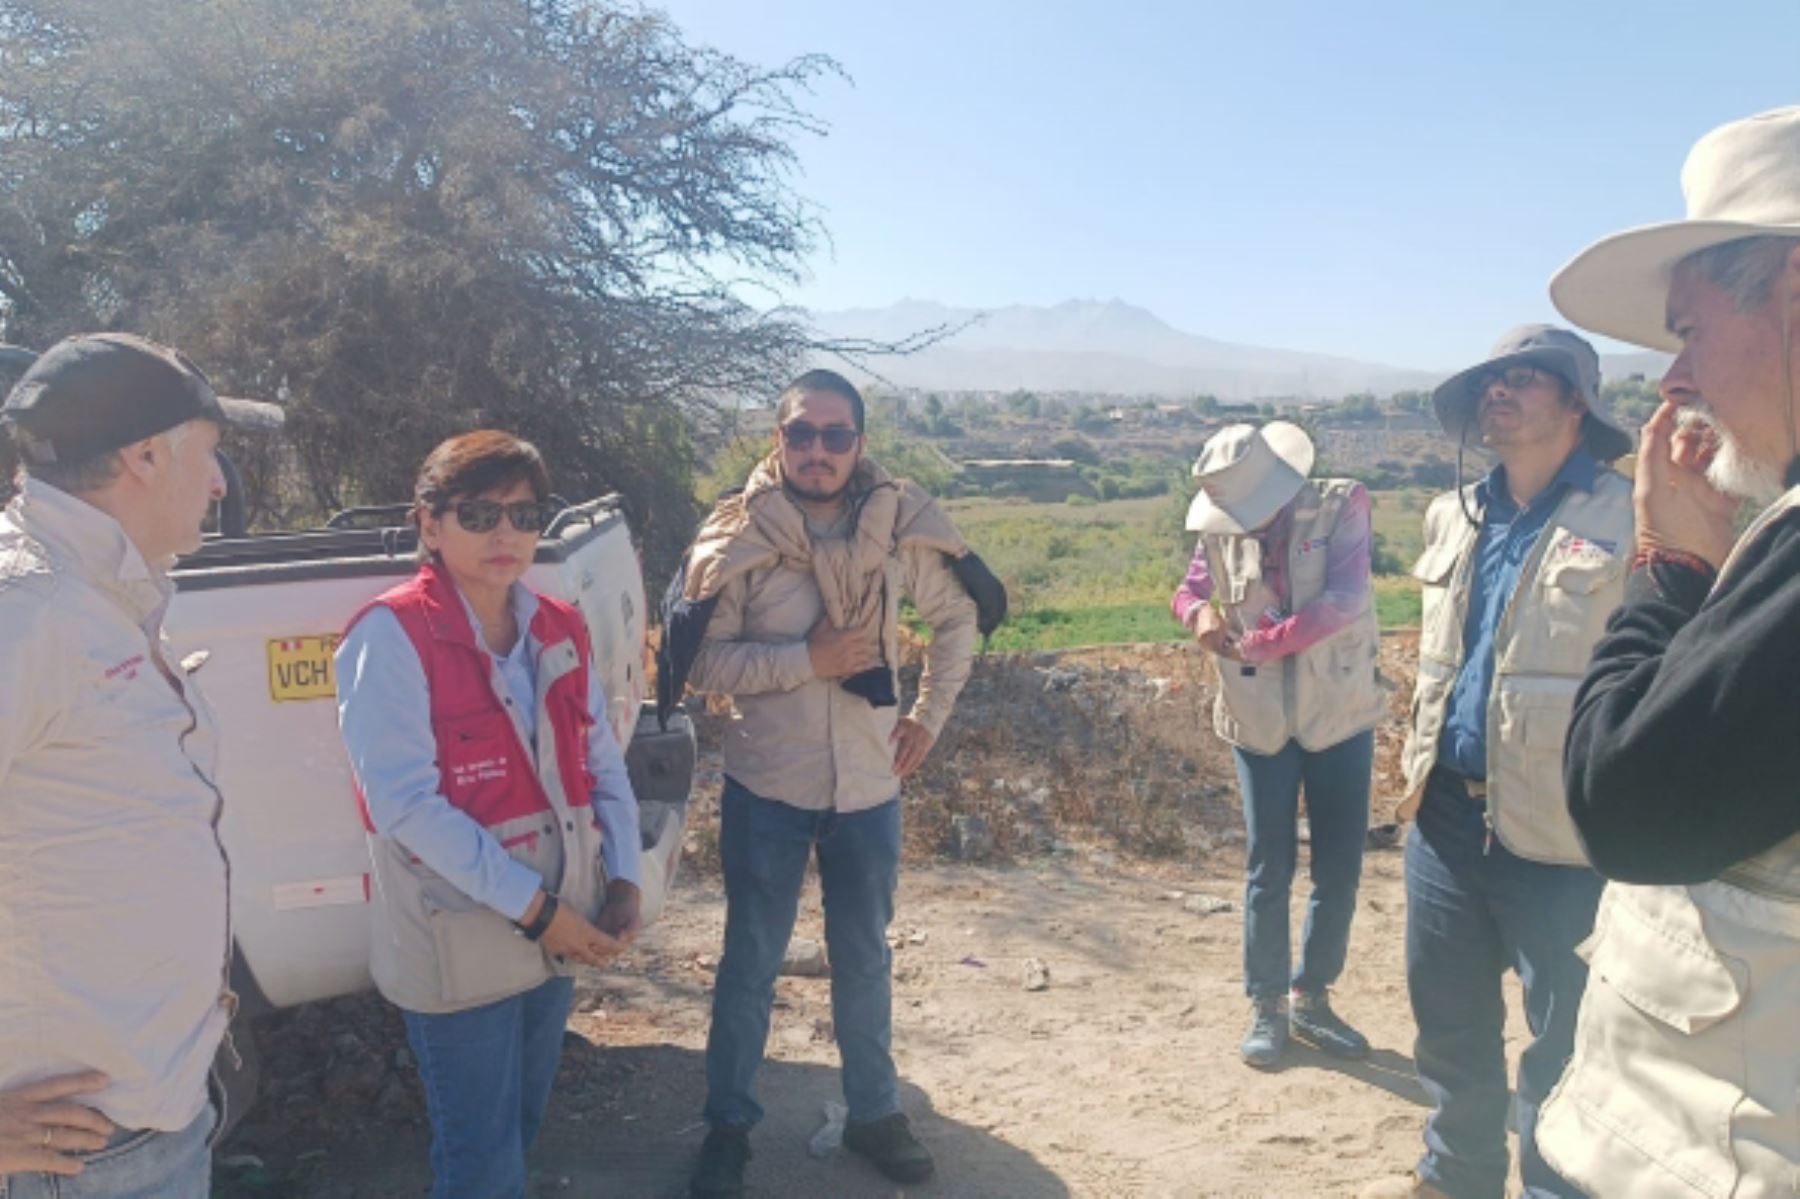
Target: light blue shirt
[(1508, 534), (384, 710)]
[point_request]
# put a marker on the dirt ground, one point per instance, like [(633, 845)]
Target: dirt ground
[(1119, 1078)]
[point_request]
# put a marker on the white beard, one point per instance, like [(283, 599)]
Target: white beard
[(1733, 470)]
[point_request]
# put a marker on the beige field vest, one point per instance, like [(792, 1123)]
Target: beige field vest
[(1568, 587), (1686, 1074), (1321, 695)]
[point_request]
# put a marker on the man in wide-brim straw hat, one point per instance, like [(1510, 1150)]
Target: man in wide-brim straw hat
[(1285, 559), (1683, 770), (1518, 576)]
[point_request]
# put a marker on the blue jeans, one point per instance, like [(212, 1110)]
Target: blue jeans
[(487, 1073), (1337, 807), (1473, 910), (764, 846), (134, 1165)]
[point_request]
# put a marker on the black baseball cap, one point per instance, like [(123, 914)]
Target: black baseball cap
[(96, 392)]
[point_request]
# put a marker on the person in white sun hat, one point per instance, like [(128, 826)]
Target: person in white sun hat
[(1683, 764), (1278, 592)]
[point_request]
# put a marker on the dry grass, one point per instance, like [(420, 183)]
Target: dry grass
[(1108, 747)]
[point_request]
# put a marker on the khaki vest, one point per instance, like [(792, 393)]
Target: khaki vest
[(1568, 587), (1321, 695), (1686, 1074)]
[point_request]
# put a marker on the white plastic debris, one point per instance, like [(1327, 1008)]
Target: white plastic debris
[(825, 1142)]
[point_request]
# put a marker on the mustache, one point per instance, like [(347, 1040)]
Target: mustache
[(1695, 415), (1698, 420)]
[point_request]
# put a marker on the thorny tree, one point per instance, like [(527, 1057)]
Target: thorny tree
[(405, 218)]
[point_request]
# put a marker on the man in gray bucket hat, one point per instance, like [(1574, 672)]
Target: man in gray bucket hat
[(1683, 771), (1545, 347), (1519, 573)]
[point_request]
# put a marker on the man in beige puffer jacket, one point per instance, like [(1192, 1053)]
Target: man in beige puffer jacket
[(808, 566)]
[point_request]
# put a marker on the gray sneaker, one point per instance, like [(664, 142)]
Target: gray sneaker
[(1268, 1033), (1314, 1022)]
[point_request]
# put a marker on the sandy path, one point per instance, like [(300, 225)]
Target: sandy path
[(1121, 1078)]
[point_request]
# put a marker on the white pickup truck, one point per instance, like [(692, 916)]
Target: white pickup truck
[(258, 616)]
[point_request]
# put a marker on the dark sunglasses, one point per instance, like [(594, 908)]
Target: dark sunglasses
[(481, 516), (1516, 378), (798, 435)]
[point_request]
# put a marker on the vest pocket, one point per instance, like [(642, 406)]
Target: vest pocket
[(1251, 710), (1438, 633), (1525, 773), (1658, 1062), (1580, 587), (1431, 694), (1435, 564), (1353, 657), (481, 958), (475, 762), (1337, 694)]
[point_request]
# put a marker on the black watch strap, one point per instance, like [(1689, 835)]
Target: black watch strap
[(546, 914)]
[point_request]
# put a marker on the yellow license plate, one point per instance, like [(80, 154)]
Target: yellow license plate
[(300, 667)]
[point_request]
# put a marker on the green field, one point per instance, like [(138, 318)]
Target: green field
[(1098, 574)]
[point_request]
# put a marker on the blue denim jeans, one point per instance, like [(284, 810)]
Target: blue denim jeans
[(1473, 910), (134, 1165), (1336, 781), (487, 1073), (764, 846)]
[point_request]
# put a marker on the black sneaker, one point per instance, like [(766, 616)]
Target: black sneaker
[(1314, 1022), (1268, 1033), (720, 1170), (889, 1145)]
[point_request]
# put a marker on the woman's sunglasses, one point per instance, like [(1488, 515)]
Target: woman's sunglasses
[(481, 516), (798, 435)]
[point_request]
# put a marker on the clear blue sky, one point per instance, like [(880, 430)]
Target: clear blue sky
[(1387, 181)]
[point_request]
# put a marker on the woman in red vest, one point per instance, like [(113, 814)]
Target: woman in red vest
[(502, 826)]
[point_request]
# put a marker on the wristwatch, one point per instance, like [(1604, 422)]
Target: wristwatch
[(546, 914)]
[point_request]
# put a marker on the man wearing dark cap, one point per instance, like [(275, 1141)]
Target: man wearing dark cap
[(113, 906), (1519, 574)]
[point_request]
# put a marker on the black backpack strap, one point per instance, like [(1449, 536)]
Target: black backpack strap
[(988, 592), (683, 629)]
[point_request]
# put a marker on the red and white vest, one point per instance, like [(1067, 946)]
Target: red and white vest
[(433, 948)]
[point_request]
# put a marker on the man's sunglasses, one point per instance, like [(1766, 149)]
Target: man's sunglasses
[(798, 435), (1516, 378), (481, 516)]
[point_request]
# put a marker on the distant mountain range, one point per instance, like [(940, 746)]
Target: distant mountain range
[(1117, 348)]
